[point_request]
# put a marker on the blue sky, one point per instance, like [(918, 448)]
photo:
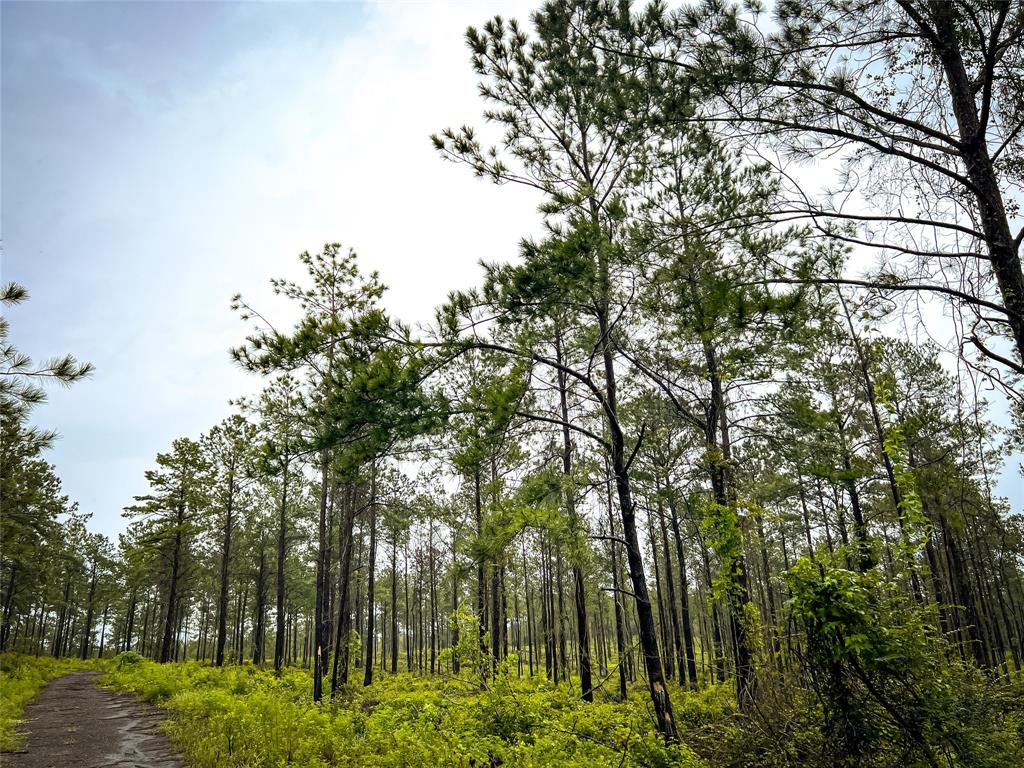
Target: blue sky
[(159, 157)]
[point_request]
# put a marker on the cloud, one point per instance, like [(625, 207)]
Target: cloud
[(199, 160)]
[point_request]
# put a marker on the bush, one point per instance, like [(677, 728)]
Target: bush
[(893, 691), (127, 657)]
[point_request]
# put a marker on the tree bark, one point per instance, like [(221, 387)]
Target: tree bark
[(346, 540), (684, 586), (579, 590), (87, 633), (394, 605), (677, 634), (1002, 248), (320, 642), (172, 591), (371, 569), (222, 601), (282, 550)]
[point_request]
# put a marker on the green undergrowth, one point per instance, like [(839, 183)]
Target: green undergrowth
[(21, 678), (244, 716), (247, 717)]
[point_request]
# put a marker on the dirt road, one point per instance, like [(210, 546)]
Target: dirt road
[(75, 724)]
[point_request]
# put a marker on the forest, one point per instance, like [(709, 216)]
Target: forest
[(705, 477)]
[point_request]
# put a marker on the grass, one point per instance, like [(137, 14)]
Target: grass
[(245, 716)]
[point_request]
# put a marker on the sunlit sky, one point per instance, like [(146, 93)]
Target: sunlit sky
[(159, 157)]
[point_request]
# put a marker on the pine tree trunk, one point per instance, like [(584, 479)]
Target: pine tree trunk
[(735, 568), (346, 541), (620, 632), (677, 634), (225, 564), (371, 572), (282, 549), (995, 223), (687, 626), (172, 592), (259, 617), (579, 590), (320, 642), (5, 628), (394, 606), (433, 598), (87, 634)]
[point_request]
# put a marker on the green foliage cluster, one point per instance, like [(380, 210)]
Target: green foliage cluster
[(891, 690), (234, 716), (21, 678)]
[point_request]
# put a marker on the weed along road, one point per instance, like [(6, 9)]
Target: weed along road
[(73, 723)]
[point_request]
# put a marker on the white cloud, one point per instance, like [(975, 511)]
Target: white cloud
[(282, 148)]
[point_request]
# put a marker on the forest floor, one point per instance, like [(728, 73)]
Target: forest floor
[(73, 722), (116, 712)]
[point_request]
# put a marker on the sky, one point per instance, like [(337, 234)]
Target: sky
[(159, 157)]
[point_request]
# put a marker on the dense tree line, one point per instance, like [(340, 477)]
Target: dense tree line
[(679, 442)]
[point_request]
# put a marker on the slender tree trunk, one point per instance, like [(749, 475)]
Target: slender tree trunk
[(663, 626), (563, 631), (860, 529), (87, 634), (320, 642), (529, 611), (130, 621), (282, 548), (481, 585), (455, 613), (620, 469), (225, 564), (144, 637), (620, 631), (677, 634), (684, 586), (769, 589), (172, 592), (371, 569), (962, 592), (579, 591), (5, 629), (433, 597), (103, 630), (259, 618), (735, 563), (346, 540), (408, 614), (394, 605)]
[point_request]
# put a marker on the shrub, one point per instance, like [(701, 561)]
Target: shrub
[(127, 657)]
